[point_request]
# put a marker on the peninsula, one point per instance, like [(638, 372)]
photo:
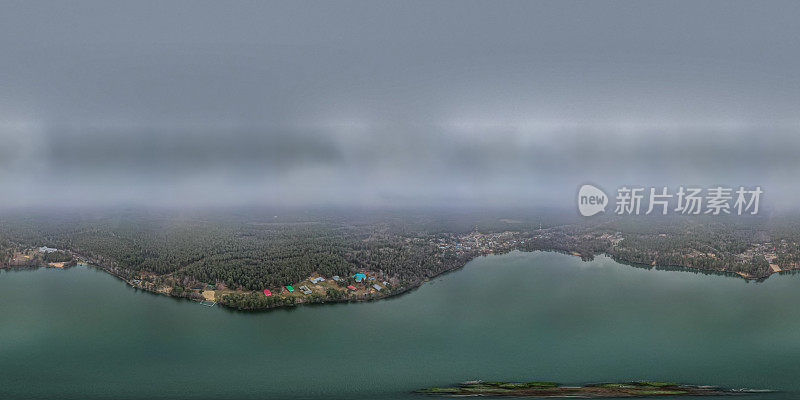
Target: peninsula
[(253, 261)]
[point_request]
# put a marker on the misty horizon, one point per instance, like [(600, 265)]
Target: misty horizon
[(420, 104)]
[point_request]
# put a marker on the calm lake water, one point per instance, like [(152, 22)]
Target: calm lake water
[(82, 334)]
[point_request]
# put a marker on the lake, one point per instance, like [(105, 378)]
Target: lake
[(83, 334)]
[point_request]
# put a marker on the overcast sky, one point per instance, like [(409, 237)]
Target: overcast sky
[(393, 103)]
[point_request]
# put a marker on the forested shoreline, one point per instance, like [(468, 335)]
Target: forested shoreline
[(232, 257)]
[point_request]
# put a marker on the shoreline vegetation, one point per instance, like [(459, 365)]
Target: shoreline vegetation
[(596, 390), (263, 265)]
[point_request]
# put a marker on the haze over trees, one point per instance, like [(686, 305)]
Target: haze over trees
[(247, 251)]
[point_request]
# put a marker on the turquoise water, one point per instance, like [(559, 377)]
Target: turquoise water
[(82, 334)]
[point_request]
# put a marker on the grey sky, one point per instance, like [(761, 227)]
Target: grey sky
[(396, 103)]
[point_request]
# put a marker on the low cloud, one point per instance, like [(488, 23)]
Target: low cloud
[(430, 103)]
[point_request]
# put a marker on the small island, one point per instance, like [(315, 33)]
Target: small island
[(597, 390)]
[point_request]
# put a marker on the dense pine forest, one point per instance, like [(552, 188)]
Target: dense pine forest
[(245, 251)]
